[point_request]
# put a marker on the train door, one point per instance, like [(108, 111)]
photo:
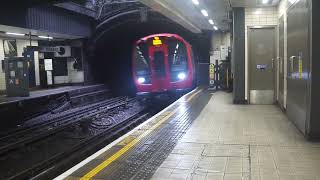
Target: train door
[(159, 68)]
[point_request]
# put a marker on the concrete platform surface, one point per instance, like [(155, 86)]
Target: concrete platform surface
[(204, 136), (241, 142)]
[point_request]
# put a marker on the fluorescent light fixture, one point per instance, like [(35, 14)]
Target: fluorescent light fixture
[(45, 37), (196, 2), (211, 21), (265, 1), (258, 11), (215, 28), (292, 1), (16, 34), (205, 13)]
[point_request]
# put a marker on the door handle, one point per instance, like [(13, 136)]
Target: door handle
[(272, 64), (292, 59)]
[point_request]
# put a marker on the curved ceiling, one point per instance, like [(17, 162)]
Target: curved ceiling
[(189, 15)]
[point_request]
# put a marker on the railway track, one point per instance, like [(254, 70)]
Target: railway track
[(36, 151), (32, 132)]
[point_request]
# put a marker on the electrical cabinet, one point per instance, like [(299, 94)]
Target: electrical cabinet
[(17, 77)]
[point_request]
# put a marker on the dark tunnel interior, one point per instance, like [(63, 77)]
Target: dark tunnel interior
[(113, 44)]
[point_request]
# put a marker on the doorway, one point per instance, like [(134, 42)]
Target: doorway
[(261, 54)]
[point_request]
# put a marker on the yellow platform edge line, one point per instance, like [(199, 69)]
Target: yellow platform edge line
[(119, 153)]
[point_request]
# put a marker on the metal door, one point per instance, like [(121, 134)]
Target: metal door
[(281, 62), (160, 74), (261, 65), (298, 63)]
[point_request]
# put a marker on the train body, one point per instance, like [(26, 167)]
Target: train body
[(163, 63)]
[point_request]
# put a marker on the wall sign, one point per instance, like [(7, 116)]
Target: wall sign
[(10, 48), (211, 74), (48, 65), (262, 67)]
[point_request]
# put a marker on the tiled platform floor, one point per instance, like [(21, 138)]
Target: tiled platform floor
[(241, 142)]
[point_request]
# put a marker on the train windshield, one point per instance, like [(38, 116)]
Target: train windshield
[(178, 59), (142, 62), (159, 65)]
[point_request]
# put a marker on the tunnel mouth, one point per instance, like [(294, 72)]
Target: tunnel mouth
[(113, 42)]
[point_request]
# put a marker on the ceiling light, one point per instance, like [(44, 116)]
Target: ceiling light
[(205, 13), (215, 28), (196, 2), (291, 1), (16, 34), (258, 11), (211, 21), (265, 1), (45, 37)]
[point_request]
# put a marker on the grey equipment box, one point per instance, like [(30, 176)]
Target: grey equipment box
[(17, 77)]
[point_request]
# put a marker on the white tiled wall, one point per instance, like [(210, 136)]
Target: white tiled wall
[(2, 76), (218, 39), (75, 76), (257, 17), (61, 79)]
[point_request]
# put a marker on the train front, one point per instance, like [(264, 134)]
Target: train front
[(162, 63)]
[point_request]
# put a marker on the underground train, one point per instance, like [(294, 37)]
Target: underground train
[(163, 63)]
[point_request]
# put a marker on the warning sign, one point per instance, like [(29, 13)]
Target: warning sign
[(211, 74)]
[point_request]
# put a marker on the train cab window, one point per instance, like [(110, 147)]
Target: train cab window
[(178, 59), (159, 65), (142, 64)]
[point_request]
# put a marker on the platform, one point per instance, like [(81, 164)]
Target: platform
[(44, 92), (204, 136), (17, 110)]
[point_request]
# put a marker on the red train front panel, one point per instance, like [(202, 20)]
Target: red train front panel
[(162, 63)]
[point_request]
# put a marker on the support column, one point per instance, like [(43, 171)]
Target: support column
[(238, 56)]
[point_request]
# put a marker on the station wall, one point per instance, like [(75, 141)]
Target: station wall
[(74, 75), (21, 43), (2, 76), (220, 39)]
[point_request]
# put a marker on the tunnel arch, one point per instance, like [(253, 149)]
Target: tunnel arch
[(110, 47)]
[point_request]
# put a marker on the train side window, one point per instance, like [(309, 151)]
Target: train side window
[(142, 61)]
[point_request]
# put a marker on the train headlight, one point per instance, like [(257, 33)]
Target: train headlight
[(141, 80), (182, 76)]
